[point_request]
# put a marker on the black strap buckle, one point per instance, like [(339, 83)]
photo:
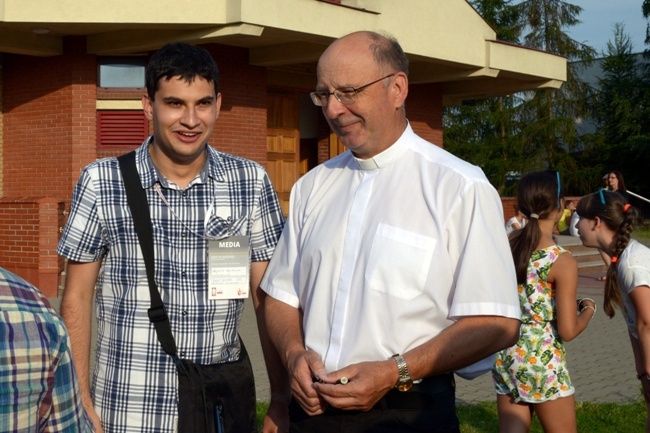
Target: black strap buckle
[(157, 314)]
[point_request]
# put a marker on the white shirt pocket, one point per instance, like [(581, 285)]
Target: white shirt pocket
[(399, 262)]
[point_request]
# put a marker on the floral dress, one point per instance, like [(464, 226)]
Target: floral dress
[(534, 370)]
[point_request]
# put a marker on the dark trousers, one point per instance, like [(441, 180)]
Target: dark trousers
[(428, 407)]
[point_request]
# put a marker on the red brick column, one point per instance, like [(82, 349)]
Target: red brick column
[(508, 207), (49, 120), (424, 111), (28, 240)]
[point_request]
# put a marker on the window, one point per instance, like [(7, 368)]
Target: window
[(121, 72)]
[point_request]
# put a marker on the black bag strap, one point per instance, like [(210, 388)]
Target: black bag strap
[(137, 199)]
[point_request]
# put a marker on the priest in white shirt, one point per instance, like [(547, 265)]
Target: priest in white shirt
[(393, 270)]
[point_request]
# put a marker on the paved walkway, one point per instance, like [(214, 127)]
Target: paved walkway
[(600, 359)]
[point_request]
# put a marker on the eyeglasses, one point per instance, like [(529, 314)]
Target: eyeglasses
[(346, 95)]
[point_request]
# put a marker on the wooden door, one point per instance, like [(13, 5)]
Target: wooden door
[(283, 144), (336, 147)]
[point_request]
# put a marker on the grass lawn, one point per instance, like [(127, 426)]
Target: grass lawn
[(641, 233), (592, 417)]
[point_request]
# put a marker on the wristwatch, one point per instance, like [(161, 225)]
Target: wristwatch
[(405, 382)]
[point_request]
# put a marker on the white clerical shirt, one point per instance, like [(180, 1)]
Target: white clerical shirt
[(384, 253)]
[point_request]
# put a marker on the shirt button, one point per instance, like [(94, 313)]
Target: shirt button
[(184, 273), (184, 313), (182, 353), (184, 234), (184, 193)]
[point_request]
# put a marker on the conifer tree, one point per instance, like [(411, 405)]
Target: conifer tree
[(550, 134), (622, 111), (484, 132), (645, 8)]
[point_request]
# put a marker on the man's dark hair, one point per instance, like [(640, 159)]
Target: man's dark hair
[(179, 59)]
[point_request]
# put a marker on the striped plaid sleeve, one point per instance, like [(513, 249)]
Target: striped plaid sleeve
[(38, 384), (267, 222), (67, 413), (81, 240)]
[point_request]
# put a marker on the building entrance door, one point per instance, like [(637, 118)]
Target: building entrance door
[(283, 143)]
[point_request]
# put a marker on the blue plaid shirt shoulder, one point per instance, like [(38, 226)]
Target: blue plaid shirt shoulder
[(134, 383), (39, 391)]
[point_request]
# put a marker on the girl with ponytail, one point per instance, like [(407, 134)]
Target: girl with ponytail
[(532, 375), (606, 222)]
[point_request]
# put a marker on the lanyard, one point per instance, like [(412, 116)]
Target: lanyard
[(205, 221)]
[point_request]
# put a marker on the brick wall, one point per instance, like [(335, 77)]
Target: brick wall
[(28, 239), (1, 133), (323, 140), (424, 111), (508, 207), (49, 121), (48, 136), (241, 127)]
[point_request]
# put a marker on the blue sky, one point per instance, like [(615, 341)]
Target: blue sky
[(598, 18)]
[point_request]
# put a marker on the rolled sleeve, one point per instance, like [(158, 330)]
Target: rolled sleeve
[(281, 280)]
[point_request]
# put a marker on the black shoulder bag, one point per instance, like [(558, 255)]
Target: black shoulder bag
[(214, 398)]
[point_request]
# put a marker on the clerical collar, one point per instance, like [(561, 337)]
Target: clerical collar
[(387, 156)]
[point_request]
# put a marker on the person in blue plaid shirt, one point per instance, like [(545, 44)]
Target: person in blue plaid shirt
[(39, 390), (196, 195)]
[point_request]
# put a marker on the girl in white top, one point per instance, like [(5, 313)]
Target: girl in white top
[(516, 222), (606, 222)]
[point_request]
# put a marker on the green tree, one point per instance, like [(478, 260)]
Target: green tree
[(645, 8), (532, 130), (503, 18), (620, 95), (550, 134), (484, 132), (622, 111)]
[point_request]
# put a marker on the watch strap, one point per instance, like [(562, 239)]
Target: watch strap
[(402, 367)]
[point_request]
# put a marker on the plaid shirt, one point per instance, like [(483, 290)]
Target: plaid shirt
[(134, 383), (38, 385)]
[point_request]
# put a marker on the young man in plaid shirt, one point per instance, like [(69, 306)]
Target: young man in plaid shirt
[(196, 195)]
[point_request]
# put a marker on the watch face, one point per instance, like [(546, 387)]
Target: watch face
[(404, 385)]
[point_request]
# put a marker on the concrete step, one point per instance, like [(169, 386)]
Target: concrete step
[(589, 259), (568, 241), (593, 266), (580, 248), (585, 255)]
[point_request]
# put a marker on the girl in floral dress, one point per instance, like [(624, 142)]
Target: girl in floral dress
[(532, 375)]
